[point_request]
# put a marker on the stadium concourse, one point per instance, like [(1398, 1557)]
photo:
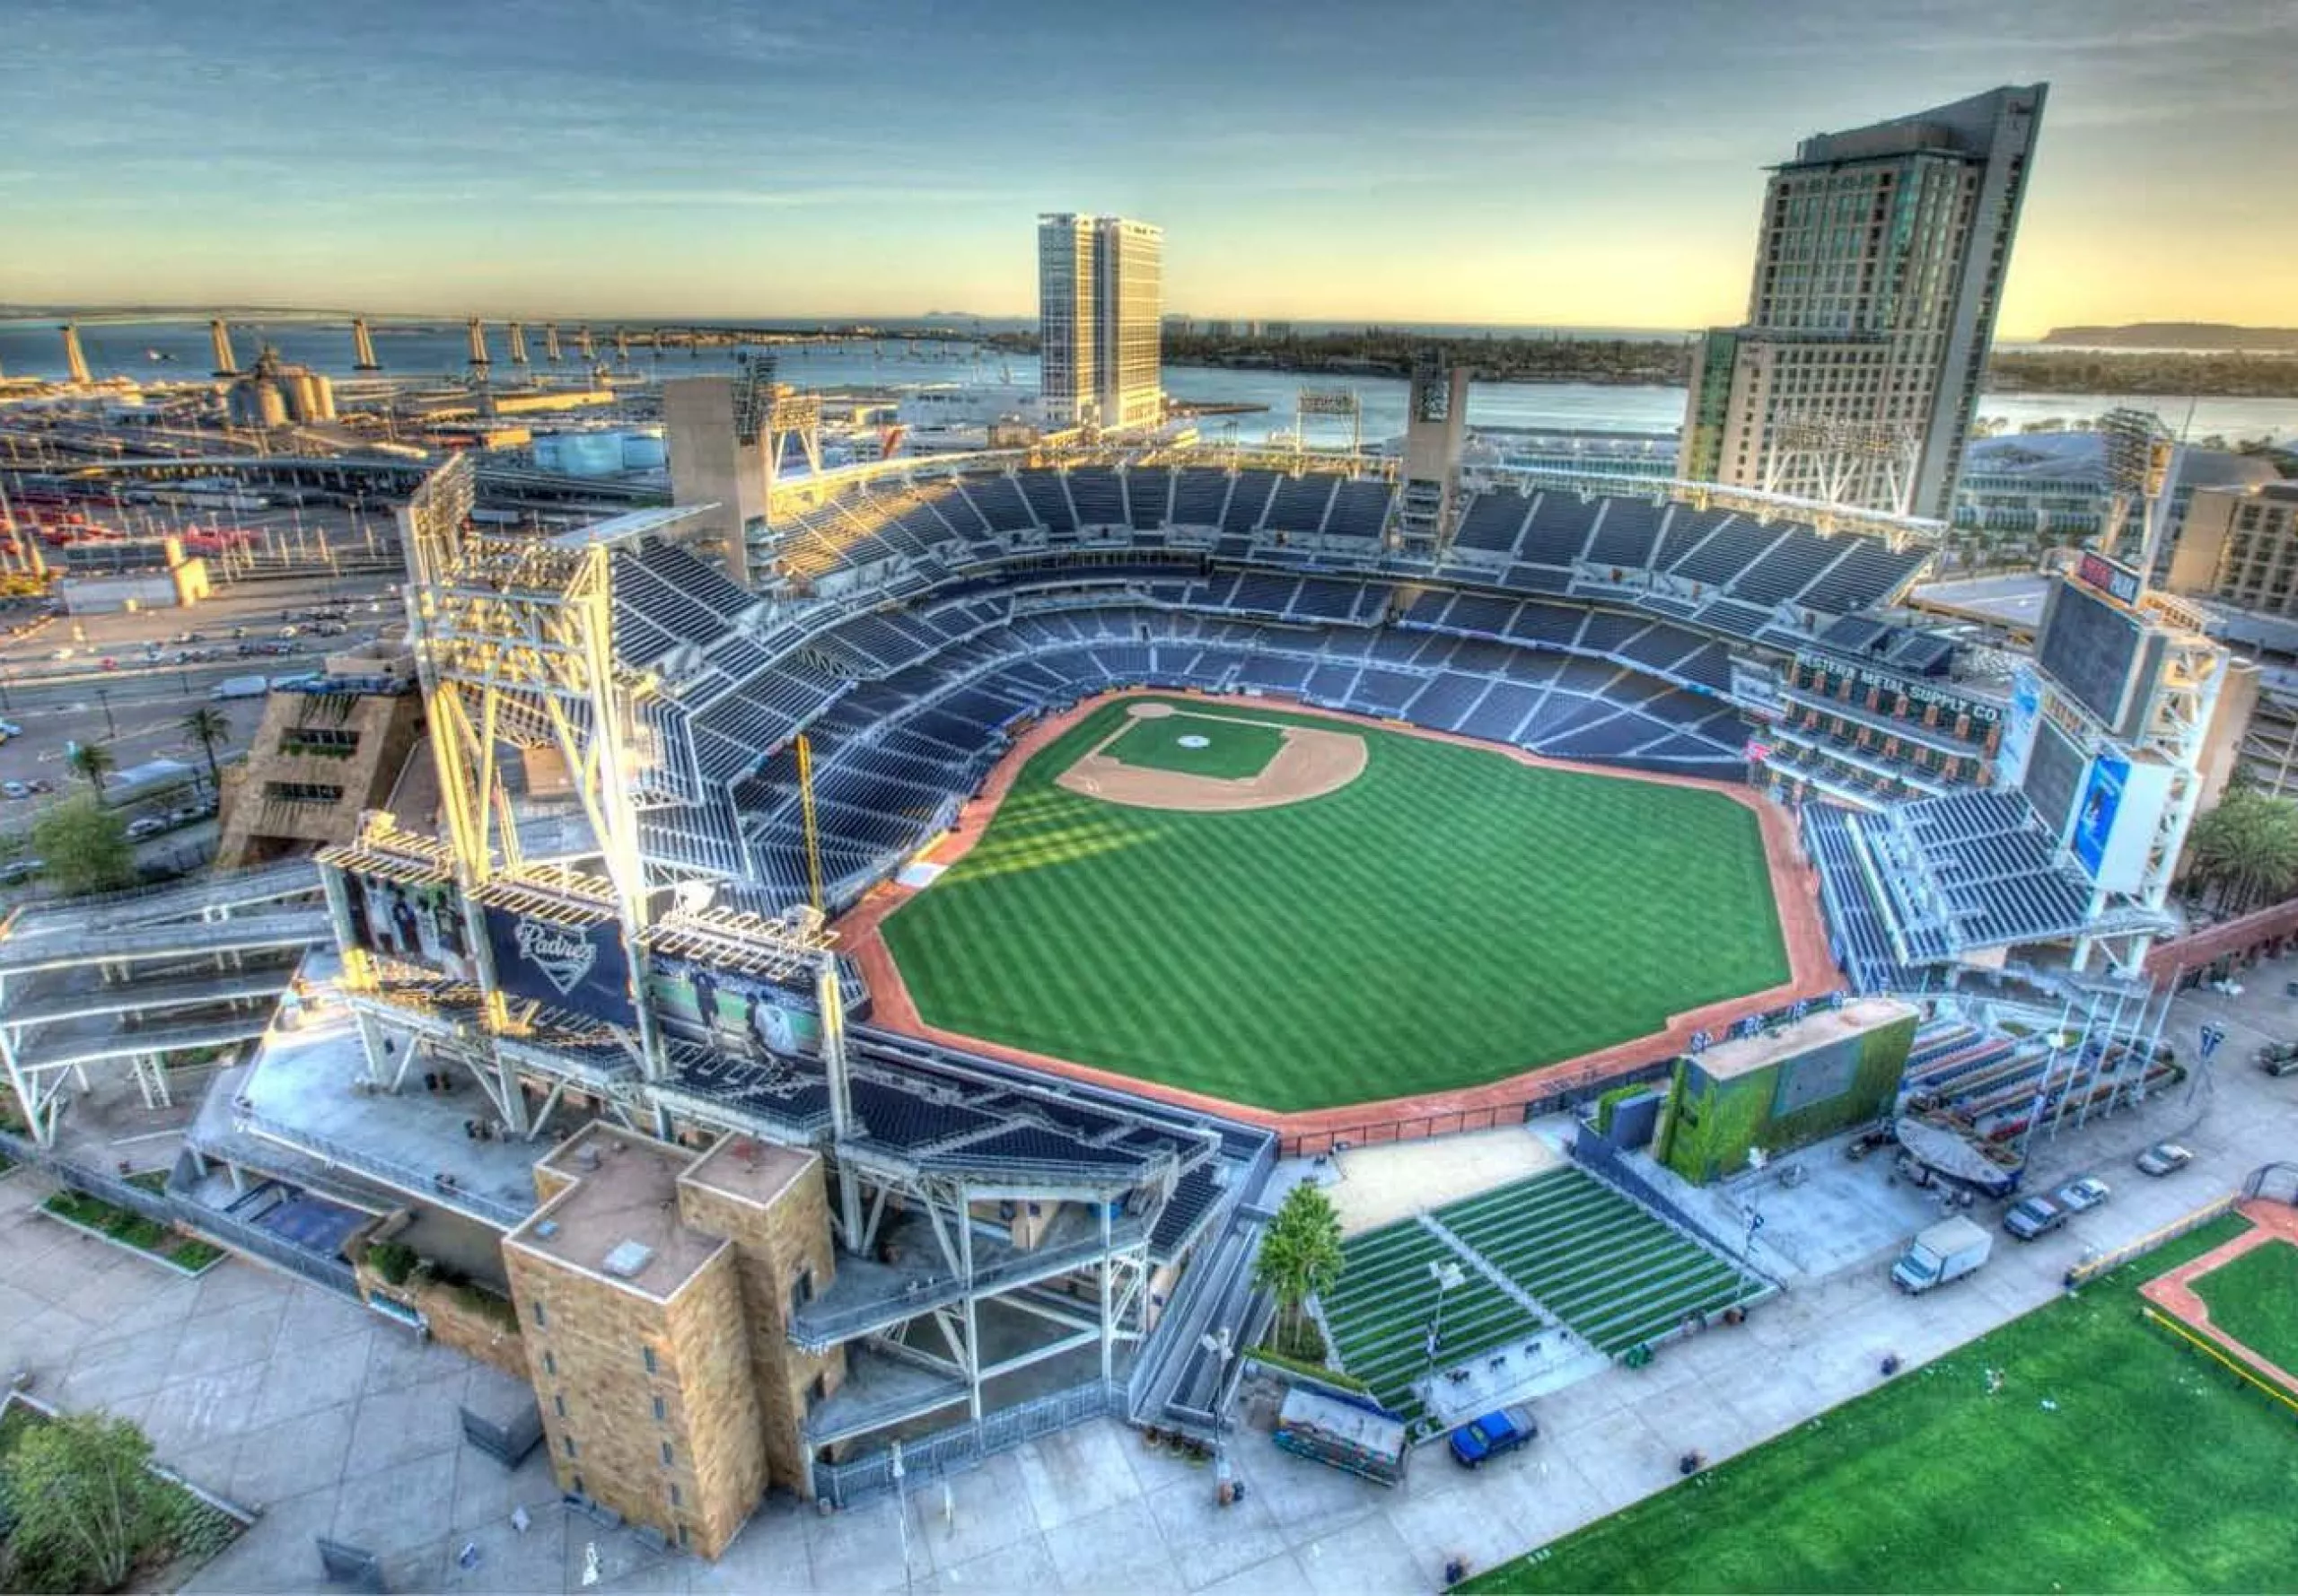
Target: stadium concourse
[(1811, 971)]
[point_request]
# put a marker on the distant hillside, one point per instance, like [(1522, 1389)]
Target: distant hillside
[(2178, 335)]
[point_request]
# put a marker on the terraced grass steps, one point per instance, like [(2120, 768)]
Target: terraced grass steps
[(1614, 1274), (1379, 1316), (1586, 1254)]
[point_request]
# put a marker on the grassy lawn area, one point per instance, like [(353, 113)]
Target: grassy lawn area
[(1197, 745), (2255, 1300), (2148, 1470), (188, 1253), (1449, 917)]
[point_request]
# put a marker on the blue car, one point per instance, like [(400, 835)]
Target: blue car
[(1496, 1434)]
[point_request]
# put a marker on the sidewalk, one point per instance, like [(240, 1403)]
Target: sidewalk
[(283, 1395)]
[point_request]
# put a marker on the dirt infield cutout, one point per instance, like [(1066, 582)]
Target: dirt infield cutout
[(1310, 763)]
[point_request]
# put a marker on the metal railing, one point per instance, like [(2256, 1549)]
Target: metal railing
[(171, 1208), (843, 1485), (819, 1325), (2091, 1268), (402, 1176)]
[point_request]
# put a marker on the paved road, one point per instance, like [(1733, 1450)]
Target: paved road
[(286, 1396)]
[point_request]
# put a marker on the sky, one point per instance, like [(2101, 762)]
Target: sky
[(1571, 162)]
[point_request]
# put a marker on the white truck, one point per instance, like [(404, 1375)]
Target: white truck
[(241, 686), (1948, 1251)]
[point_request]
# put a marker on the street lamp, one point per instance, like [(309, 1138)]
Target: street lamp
[(111, 728), (1221, 1351), (1448, 1276)]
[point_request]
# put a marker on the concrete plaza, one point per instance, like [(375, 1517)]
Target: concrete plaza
[(284, 1396)]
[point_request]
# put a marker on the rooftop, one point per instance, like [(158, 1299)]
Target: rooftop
[(1743, 1055), (619, 1220), (751, 1170)]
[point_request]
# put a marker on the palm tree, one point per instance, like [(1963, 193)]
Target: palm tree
[(207, 726), (93, 762), (2246, 850), (1299, 1257)]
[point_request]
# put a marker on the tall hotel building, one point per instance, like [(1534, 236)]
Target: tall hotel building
[(1100, 296), (1879, 268)]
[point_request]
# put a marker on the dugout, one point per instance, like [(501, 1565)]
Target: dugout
[(1785, 1086)]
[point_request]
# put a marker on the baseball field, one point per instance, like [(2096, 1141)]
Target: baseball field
[(2074, 1448), (1296, 913)]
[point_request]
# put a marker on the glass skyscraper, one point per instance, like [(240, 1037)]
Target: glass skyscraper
[(1100, 296)]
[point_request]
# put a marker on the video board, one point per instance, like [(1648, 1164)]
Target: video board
[(2054, 779), (2102, 657)]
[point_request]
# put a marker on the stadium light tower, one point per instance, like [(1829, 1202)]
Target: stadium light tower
[(1342, 402)]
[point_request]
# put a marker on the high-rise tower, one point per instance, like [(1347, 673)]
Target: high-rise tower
[(1879, 268), (1101, 295)]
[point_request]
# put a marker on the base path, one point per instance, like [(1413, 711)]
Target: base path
[(1308, 764), (2274, 1224), (1795, 895)]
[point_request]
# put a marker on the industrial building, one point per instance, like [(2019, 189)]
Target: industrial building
[(1101, 294), (1880, 259), (102, 576), (276, 393)]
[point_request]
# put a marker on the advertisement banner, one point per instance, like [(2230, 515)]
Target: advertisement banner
[(2019, 728), (580, 967), (2094, 818), (2110, 577), (722, 1004), (418, 924)]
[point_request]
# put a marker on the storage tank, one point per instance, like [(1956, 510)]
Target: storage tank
[(643, 450)]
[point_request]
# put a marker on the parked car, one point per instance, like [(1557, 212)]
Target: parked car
[(2080, 1196), (1494, 1435), (20, 870), (15, 789), (10, 728), (145, 826), (2162, 1158), (2033, 1216)]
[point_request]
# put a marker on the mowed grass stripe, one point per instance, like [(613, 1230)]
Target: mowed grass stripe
[(1449, 917)]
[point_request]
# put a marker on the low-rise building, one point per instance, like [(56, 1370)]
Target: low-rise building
[(328, 748)]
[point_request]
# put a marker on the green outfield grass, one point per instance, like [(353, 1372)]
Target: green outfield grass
[(2255, 1300), (2149, 1469), (1449, 917), (1233, 750)]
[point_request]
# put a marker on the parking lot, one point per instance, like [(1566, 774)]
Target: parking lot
[(164, 665)]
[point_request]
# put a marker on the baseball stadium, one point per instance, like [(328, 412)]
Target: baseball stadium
[(1043, 859), (1187, 779)]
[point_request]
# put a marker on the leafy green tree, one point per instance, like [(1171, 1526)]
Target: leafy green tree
[(2245, 851), (207, 726), (84, 1503), (92, 762), (1299, 1257), (83, 848)]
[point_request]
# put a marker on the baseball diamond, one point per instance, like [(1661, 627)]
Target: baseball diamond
[(1448, 915)]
